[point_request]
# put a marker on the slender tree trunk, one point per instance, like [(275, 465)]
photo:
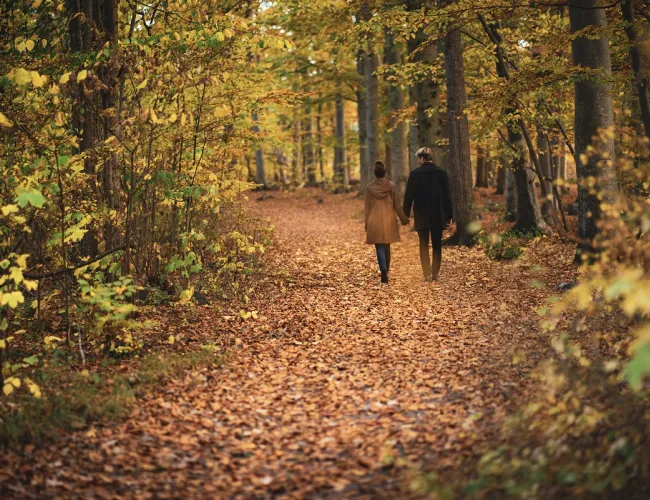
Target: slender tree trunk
[(490, 169), (260, 171), (459, 162), (413, 130), (559, 170), (640, 73), (426, 92), (501, 176), (481, 167), (319, 136), (511, 194), (341, 168), (297, 146), (372, 111), (545, 161), (93, 24), (362, 110), (413, 147), (399, 133), (388, 159), (529, 216), (309, 150), (593, 111)]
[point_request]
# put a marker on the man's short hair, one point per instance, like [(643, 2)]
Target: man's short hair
[(425, 153), (380, 169)]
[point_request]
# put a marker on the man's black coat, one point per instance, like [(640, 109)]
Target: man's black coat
[(428, 189)]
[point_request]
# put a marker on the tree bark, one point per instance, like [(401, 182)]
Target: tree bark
[(362, 110), (260, 171), (459, 162), (309, 150), (593, 111), (399, 133), (426, 95), (501, 176), (341, 167), (640, 73), (93, 24), (319, 138), (529, 216), (545, 162), (511, 194), (372, 110), (297, 145), (481, 167)]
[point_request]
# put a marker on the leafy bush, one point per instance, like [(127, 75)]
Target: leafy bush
[(508, 246), (586, 430)]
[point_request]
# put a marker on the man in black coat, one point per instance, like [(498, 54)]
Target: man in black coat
[(427, 190)]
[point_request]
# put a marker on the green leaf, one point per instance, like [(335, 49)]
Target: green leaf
[(31, 197), (31, 361), (638, 366)]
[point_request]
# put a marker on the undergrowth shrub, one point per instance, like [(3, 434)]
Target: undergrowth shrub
[(507, 246), (586, 429)]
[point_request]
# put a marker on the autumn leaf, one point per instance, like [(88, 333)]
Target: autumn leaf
[(5, 122)]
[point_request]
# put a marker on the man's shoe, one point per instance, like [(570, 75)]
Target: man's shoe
[(384, 277), (427, 279)]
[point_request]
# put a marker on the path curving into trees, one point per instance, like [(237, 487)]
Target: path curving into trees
[(339, 388)]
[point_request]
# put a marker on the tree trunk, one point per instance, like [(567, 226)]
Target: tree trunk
[(529, 216), (490, 166), (319, 137), (297, 146), (545, 161), (341, 168), (511, 194), (501, 176), (399, 133), (593, 111), (557, 163), (459, 163), (413, 147), (640, 73), (260, 172), (362, 110), (426, 93), (309, 150), (481, 167), (91, 26), (372, 110), (413, 130)]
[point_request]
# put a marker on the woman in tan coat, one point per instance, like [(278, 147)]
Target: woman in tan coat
[(382, 206)]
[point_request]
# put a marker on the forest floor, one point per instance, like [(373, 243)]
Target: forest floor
[(336, 386)]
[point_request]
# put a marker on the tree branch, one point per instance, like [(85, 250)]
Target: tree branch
[(34, 276)]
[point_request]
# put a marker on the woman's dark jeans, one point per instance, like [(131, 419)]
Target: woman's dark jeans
[(430, 268), (383, 256)]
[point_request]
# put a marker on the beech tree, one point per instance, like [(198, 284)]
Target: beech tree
[(459, 162), (593, 110)]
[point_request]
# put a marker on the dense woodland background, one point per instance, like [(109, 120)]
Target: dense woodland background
[(131, 131)]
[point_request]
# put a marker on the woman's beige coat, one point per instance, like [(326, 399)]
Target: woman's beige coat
[(382, 209)]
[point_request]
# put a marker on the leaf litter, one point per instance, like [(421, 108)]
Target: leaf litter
[(336, 386)]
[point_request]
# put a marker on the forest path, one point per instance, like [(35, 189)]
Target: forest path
[(340, 388)]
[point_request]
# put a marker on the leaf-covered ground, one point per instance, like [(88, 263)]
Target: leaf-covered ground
[(336, 387)]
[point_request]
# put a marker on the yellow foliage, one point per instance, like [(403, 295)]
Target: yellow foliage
[(5, 122)]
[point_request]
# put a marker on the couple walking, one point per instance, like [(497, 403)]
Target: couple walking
[(427, 190)]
